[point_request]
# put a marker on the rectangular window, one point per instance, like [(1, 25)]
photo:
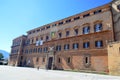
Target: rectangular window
[(58, 48), (97, 11), (47, 27), (47, 38), (42, 29), (66, 47), (76, 18), (38, 30), (39, 50), (68, 60), (43, 60), (69, 20), (98, 27), (67, 33), (75, 46), (86, 15), (86, 45), (76, 32), (98, 44), (60, 35), (60, 23), (53, 25), (59, 60), (45, 49), (86, 30)]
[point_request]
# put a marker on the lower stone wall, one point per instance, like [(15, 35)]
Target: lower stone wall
[(114, 58)]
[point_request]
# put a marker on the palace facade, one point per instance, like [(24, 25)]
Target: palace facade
[(78, 42)]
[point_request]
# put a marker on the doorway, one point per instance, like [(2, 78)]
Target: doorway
[(50, 62)]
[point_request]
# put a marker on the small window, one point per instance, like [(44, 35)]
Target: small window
[(45, 49), (86, 60), (66, 47), (39, 50), (38, 30), (99, 44), (69, 20), (60, 35), (43, 60), (53, 25), (97, 11), (33, 31), (98, 27), (86, 15), (42, 29), (60, 23), (68, 60), (76, 32), (67, 33), (59, 60), (47, 27), (86, 45), (76, 18), (75, 46), (37, 59), (58, 48), (86, 30), (47, 38)]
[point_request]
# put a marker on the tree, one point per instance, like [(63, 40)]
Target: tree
[(1, 56)]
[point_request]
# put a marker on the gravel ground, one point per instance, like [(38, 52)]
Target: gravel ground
[(20, 73)]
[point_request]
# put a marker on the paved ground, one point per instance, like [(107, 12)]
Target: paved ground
[(17, 73)]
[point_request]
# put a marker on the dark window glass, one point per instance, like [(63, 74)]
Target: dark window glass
[(43, 59), (42, 29), (45, 49), (86, 60), (38, 30), (69, 20), (59, 60), (60, 35), (47, 38), (86, 45), (76, 18), (60, 23), (67, 33), (69, 60), (66, 47), (47, 27), (97, 11), (86, 15), (53, 25), (98, 27), (86, 30), (58, 48), (76, 31), (98, 44), (37, 59), (75, 46)]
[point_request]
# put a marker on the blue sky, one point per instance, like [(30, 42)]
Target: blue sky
[(19, 16)]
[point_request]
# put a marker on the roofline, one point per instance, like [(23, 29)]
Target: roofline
[(108, 4)]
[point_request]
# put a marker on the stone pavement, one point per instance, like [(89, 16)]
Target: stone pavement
[(20, 73)]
